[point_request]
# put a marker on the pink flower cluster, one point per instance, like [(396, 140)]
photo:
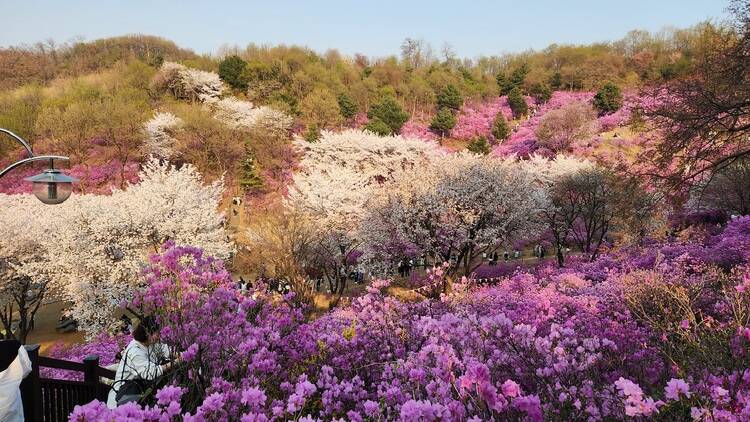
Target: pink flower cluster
[(553, 343)]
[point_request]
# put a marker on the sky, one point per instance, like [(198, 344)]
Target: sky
[(373, 27)]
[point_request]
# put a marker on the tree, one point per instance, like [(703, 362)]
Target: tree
[(250, 178), (727, 188), (231, 71), (518, 76), (160, 131), (560, 128), (551, 174), (449, 98), (25, 283), (458, 206), (388, 111), (586, 201), (347, 106), (443, 121), (208, 143), (320, 107), (541, 92), (338, 177), (502, 83), (479, 146), (283, 248), (378, 127), (517, 103), (102, 242), (608, 99), (702, 115), (500, 129), (187, 83), (312, 134)]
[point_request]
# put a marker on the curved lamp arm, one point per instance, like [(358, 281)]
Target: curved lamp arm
[(32, 157)]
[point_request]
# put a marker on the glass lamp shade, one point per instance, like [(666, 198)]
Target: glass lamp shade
[(52, 187)]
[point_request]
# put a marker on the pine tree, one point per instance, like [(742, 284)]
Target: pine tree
[(608, 99), (479, 146), (517, 103), (250, 178), (449, 98), (347, 107), (500, 129), (443, 121)]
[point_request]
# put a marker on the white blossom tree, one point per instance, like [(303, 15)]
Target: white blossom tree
[(453, 210), (242, 115), (25, 282), (338, 176), (189, 84), (159, 135), (95, 246)]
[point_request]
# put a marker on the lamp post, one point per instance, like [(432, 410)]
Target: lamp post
[(52, 187)]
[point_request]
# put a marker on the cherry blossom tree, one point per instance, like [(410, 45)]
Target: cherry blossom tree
[(94, 247), (338, 176), (159, 130), (453, 210), (24, 278), (187, 83)]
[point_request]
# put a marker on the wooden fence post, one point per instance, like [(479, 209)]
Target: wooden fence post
[(31, 388), (91, 363)]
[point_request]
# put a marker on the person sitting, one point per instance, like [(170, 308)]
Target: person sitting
[(141, 362)]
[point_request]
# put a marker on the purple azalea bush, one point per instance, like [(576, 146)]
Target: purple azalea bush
[(660, 332)]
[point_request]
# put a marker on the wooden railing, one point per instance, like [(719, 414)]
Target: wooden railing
[(52, 400)]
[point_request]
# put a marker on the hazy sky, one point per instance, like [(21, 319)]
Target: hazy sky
[(375, 27)]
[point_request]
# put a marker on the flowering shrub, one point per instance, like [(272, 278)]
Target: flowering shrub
[(609, 340)]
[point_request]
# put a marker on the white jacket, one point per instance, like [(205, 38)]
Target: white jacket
[(11, 406), (138, 361)]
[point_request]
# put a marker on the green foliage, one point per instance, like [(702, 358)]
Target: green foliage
[(443, 121), (389, 112), (517, 103), (378, 127), (541, 92), (347, 107), (231, 71), (249, 177), (449, 98), (479, 146), (608, 99), (320, 107), (518, 76), (555, 80), (503, 83), (312, 134), (500, 129)]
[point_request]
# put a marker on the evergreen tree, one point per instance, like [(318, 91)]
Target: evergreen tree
[(500, 129), (502, 83), (347, 107), (231, 71), (541, 92), (518, 76), (608, 99), (250, 178), (517, 103), (312, 134), (443, 121), (449, 98), (378, 127), (389, 112), (479, 146), (555, 81)]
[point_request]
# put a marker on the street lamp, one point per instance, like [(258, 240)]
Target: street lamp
[(52, 187)]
